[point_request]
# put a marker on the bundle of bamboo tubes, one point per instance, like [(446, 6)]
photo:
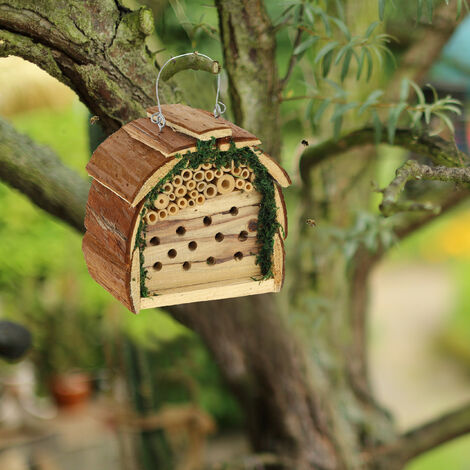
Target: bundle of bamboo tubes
[(193, 187)]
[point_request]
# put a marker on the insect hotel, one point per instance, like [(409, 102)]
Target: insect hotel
[(188, 213)]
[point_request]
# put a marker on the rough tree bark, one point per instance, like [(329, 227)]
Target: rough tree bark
[(305, 395)]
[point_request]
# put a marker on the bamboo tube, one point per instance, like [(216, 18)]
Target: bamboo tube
[(226, 169), (172, 196), (172, 208), (161, 202), (239, 183), (151, 217), (167, 188), (201, 186), (177, 181), (245, 174), (180, 191), (252, 177), (236, 171), (191, 202), (190, 185), (248, 187), (208, 175), (225, 184), (210, 191), (199, 176), (162, 214), (206, 166), (182, 202), (200, 199), (187, 174), (218, 173), (193, 194)]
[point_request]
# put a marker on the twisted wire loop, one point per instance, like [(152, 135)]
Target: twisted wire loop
[(158, 117)]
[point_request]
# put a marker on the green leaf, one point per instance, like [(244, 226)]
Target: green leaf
[(393, 117), (371, 29), (321, 109), (326, 64), (344, 29), (324, 50), (419, 92), (377, 124), (419, 11), (370, 100), (446, 121), (337, 124), (342, 108), (346, 62), (303, 46), (370, 63), (381, 9), (404, 89), (360, 64)]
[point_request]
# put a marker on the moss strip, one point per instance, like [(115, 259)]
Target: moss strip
[(207, 152)]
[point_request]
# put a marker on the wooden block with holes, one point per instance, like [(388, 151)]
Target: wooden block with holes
[(166, 225)]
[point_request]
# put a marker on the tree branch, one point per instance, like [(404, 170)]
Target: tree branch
[(424, 438), (440, 151), (411, 170), (38, 173), (194, 62)]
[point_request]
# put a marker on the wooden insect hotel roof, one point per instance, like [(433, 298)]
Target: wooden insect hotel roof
[(129, 169)]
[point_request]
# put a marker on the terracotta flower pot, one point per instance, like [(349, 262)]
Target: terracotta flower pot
[(70, 389)]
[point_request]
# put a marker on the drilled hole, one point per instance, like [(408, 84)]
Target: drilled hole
[(210, 261), (219, 236), (207, 220), (192, 246), (155, 241), (238, 255), (234, 210), (172, 253), (186, 265), (243, 235), (157, 266), (180, 230)]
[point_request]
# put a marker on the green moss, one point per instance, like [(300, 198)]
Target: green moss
[(207, 152)]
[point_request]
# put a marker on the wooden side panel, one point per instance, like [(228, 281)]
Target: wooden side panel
[(124, 164), (279, 258), (275, 170), (111, 220), (107, 270), (166, 141)]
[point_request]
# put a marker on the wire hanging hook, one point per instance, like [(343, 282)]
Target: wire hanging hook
[(158, 117)]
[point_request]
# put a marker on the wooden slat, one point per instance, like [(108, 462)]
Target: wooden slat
[(174, 275), (166, 141), (193, 122), (209, 291), (206, 247), (125, 165), (278, 260), (195, 228)]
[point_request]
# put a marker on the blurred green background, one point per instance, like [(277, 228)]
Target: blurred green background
[(76, 325)]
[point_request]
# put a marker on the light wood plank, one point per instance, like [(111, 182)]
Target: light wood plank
[(206, 247), (210, 291), (275, 170), (225, 223), (175, 276), (281, 211)]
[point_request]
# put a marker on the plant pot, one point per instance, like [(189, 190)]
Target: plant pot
[(70, 389)]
